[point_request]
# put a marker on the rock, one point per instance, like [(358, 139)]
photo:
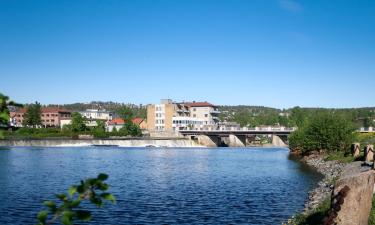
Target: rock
[(369, 153), (356, 149), (330, 170), (357, 201)]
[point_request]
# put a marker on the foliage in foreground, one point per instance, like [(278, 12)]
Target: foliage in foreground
[(93, 190), (315, 217), (371, 220), (323, 131)]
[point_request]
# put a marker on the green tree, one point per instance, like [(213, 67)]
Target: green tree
[(5, 102), (78, 123), (99, 131), (126, 113), (325, 131), (131, 129), (93, 190), (33, 115)]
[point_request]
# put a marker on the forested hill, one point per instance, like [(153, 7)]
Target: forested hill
[(259, 115), (247, 115), (138, 110)]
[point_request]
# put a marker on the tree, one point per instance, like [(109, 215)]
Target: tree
[(126, 113), (4, 109), (78, 122), (93, 190), (33, 114), (130, 129), (327, 131)]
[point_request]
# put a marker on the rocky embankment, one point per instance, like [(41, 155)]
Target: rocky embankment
[(331, 170)]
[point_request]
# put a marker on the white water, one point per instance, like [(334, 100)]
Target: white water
[(121, 143)]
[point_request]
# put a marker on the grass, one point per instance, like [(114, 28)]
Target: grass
[(371, 220), (340, 157), (315, 217), (365, 138)]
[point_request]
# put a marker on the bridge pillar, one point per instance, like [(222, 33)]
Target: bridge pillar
[(235, 141), (208, 141), (276, 141)]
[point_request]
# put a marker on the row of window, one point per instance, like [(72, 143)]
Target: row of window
[(159, 128), (159, 108), (159, 121), (159, 114), (186, 122), (48, 121)]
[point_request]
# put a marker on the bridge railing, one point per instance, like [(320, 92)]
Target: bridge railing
[(288, 129)]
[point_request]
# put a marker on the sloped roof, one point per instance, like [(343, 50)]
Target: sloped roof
[(199, 104), (119, 121), (44, 110)]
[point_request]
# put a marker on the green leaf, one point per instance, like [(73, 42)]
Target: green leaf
[(66, 220), (67, 217), (96, 201), (109, 197), (62, 197), (42, 216), (83, 215), (72, 190), (102, 176), (75, 203), (49, 204), (103, 186), (81, 189)]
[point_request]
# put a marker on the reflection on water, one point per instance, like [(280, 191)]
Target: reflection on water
[(160, 186)]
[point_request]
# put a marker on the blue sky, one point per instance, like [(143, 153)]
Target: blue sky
[(278, 53)]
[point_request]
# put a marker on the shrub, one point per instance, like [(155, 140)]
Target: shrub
[(93, 190), (324, 131)]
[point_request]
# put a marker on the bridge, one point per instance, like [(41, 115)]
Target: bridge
[(238, 137)]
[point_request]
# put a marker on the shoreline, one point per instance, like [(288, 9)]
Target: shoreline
[(330, 170)]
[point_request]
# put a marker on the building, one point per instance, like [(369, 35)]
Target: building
[(118, 123), (169, 116), (50, 116), (97, 114)]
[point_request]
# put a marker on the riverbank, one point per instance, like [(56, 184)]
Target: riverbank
[(331, 170)]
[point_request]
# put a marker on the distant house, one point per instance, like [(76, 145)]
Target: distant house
[(97, 114), (50, 116), (118, 123)]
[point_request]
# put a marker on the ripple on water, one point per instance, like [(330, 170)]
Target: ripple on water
[(159, 186)]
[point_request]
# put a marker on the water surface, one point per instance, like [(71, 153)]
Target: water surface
[(159, 186)]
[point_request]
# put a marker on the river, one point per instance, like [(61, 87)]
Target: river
[(159, 186)]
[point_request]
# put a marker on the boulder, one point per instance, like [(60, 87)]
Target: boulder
[(369, 153), (352, 196), (356, 149)]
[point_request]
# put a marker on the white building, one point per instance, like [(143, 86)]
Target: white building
[(97, 114)]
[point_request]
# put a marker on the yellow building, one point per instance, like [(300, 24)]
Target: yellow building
[(169, 116)]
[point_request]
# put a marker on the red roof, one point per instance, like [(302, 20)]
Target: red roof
[(119, 121), (54, 110), (199, 104), (45, 110), (137, 121)]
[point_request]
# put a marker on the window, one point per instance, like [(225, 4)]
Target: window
[(194, 109), (205, 115), (194, 115)]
